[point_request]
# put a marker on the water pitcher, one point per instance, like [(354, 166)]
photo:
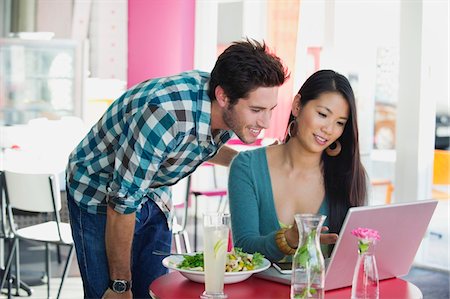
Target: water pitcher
[(308, 268)]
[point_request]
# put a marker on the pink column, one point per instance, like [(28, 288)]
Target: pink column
[(160, 38)]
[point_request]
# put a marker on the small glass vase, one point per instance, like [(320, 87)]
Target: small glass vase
[(308, 267), (365, 284)]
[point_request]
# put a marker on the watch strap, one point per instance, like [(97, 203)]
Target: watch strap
[(119, 285)]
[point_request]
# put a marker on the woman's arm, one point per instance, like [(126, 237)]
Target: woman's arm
[(245, 202)]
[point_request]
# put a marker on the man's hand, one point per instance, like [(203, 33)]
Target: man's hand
[(109, 294), (224, 156), (275, 142)]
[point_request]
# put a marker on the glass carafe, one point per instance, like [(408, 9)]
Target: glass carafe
[(308, 267), (365, 283)]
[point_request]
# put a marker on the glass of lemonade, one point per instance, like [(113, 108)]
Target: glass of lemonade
[(216, 227)]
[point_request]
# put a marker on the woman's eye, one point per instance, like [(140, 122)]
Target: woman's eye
[(322, 114), (256, 110), (342, 124)]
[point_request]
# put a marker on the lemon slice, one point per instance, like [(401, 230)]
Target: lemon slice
[(219, 245)]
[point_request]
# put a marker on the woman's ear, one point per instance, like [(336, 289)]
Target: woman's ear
[(221, 97), (296, 105)]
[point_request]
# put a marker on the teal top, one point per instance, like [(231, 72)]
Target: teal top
[(253, 216)]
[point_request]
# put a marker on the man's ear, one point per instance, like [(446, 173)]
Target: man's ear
[(221, 97), (296, 106)]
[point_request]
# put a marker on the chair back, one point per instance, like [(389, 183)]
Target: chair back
[(36, 193), (3, 226), (33, 192)]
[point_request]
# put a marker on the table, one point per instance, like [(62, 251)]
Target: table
[(174, 286)]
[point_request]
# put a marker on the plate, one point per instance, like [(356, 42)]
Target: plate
[(172, 261)]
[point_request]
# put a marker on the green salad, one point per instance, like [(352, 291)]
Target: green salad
[(237, 260)]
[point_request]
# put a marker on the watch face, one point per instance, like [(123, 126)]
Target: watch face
[(119, 286)]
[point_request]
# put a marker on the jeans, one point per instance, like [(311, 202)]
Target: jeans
[(88, 231)]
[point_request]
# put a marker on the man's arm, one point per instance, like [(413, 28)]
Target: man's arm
[(118, 240), (224, 156), (144, 146)]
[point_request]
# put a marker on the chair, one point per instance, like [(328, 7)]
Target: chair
[(5, 235), (389, 188), (441, 175), (180, 198), (214, 191), (441, 178), (37, 193)]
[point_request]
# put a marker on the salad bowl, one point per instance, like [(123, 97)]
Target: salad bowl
[(172, 262)]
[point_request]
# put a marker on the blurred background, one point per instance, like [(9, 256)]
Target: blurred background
[(63, 62)]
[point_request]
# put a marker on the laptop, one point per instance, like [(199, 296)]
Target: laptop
[(401, 226)]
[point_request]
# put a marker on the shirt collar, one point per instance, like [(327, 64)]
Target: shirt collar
[(204, 120)]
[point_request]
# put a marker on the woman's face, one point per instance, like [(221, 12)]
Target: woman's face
[(321, 121)]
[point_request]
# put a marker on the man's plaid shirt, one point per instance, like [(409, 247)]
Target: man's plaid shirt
[(152, 136)]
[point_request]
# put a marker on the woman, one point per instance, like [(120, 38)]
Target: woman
[(316, 170)]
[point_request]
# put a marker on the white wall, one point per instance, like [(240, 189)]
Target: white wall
[(423, 80)]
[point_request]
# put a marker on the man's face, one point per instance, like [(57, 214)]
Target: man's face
[(250, 115)]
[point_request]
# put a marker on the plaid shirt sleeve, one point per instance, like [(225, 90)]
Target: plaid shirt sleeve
[(145, 143)]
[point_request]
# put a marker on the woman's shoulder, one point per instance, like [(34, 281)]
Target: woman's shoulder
[(253, 155)]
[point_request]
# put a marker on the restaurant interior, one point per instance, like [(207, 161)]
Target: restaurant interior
[(62, 63)]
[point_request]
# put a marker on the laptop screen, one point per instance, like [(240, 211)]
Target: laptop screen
[(401, 227)]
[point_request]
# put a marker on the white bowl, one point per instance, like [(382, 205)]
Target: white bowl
[(172, 261)]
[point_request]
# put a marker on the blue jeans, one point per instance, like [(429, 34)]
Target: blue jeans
[(151, 233)]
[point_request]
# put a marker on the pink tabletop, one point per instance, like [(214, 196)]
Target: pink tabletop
[(176, 286)]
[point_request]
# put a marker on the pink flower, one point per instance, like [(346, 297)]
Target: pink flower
[(366, 234), (366, 237)]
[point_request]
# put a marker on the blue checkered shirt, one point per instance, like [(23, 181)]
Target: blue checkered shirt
[(152, 136)]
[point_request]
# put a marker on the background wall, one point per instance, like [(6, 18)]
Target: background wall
[(160, 38)]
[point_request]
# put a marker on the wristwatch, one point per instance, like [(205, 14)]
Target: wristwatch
[(119, 286)]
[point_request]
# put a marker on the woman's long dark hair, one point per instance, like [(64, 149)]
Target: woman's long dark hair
[(344, 174)]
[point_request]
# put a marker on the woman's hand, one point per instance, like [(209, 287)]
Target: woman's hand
[(291, 236), (327, 238)]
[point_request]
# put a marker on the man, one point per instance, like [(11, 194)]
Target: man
[(158, 132)]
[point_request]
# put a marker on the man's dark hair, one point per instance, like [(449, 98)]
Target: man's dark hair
[(243, 67)]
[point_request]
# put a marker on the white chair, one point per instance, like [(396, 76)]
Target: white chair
[(180, 199), (6, 235), (37, 193)]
